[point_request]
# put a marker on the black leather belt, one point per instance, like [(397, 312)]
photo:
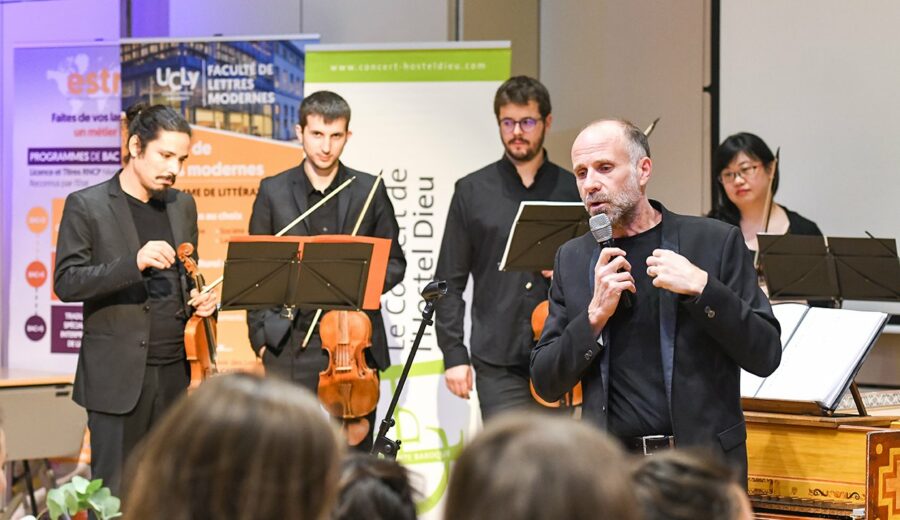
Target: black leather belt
[(648, 444)]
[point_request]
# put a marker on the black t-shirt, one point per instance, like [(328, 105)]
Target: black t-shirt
[(324, 221), (167, 315), (637, 393)]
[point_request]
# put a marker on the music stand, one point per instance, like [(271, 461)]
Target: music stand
[(539, 229), (261, 272), (318, 272), (803, 267)]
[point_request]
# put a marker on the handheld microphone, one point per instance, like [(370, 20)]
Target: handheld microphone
[(601, 228)]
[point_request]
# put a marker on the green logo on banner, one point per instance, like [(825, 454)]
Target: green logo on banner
[(381, 66)]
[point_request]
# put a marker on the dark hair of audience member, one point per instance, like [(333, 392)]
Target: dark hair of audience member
[(687, 485), (755, 148), (239, 447), (534, 466), (325, 104), (146, 122), (374, 489), (520, 90)]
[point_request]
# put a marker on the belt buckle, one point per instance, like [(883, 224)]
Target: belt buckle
[(649, 450)]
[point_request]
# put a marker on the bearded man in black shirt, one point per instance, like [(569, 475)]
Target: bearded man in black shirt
[(482, 210), (116, 253), (663, 371)]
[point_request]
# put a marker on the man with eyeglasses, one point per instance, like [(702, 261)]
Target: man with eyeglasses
[(482, 210)]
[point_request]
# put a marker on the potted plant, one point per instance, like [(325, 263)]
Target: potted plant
[(75, 498)]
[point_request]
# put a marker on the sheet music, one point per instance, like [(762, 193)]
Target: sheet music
[(822, 355), (789, 316), (512, 233)]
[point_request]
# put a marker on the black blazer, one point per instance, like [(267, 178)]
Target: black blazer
[(96, 263), (280, 200), (704, 341)]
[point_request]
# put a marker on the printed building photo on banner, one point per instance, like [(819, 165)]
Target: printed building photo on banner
[(241, 98)]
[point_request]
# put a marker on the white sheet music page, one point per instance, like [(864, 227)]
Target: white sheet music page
[(512, 232), (788, 316), (821, 356)]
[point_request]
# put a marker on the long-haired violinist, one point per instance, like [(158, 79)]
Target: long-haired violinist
[(116, 254)]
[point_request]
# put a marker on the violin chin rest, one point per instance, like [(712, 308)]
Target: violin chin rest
[(355, 430)]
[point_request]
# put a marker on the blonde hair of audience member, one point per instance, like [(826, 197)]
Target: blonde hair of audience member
[(239, 447), (374, 489), (687, 485), (526, 466)]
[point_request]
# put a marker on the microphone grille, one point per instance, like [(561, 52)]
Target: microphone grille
[(601, 227)]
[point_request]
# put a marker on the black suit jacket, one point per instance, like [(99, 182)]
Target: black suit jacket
[(280, 200), (704, 341), (96, 263)]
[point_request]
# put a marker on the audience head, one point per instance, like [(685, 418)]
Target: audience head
[(375, 489), (525, 466), (683, 485), (2, 461), (741, 168), (522, 108), (241, 447)]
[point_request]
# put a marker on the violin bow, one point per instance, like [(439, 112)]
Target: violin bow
[(767, 209), (359, 220), (650, 128), (293, 223)]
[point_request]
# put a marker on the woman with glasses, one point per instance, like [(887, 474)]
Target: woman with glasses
[(742, 168)]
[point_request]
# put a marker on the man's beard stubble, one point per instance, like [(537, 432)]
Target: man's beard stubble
[(621, 206), (531, 152)]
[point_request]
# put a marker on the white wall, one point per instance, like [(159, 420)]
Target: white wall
[(360, 21), (819, 78), (189, 18), (639, 60)]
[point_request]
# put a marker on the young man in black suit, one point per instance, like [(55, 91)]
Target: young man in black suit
[(664, 371), (116, 253), (323, 131)]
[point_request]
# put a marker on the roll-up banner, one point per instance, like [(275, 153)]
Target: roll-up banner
[(423, 113), (66, 137), (241, 97)]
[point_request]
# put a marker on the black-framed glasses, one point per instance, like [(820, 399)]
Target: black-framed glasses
[(527, 124), (746, 173)]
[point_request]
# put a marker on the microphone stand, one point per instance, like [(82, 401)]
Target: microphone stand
[(384, 446)]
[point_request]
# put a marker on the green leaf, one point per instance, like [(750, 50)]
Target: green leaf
[(56, 503), (73, 505), (96, 500), (95, 485), (110, 508), (80, 484)]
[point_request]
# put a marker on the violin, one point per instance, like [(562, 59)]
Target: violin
[(348, 388), (199, 333), (572, 397)]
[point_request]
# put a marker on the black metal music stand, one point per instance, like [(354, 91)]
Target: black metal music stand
[(262, 274), (538, 231), (813, 267)]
